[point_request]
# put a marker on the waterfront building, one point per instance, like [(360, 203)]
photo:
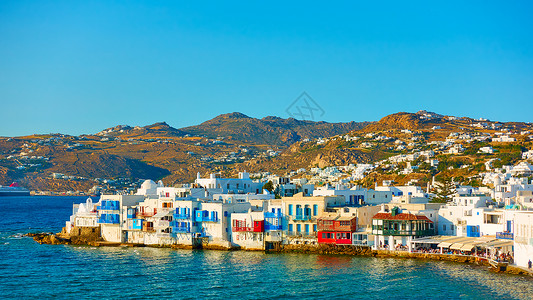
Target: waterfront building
[(335, 229), (394, 230), (185, 228), (302, 214), (523, 242), (248, 230), (453, 217), (214, 221), (112, 212), (83, 215), (273, 223)]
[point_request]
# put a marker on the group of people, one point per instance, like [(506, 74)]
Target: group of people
[(427, 250), (504, 257)]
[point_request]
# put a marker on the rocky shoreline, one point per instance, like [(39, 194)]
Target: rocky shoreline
[(92, 238)]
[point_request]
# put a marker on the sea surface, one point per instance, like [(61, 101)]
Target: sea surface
[(30, 270)]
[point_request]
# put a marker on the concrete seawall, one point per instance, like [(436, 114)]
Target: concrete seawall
[(91, 238)]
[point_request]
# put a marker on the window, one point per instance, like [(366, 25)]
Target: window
[(225, 214), (444, 227), (314, 228), (290, 228), (306, 228), (315, 209), (290, 209), (323, 235), (298, 228)]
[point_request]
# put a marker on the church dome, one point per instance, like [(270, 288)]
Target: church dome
[(148, 185)]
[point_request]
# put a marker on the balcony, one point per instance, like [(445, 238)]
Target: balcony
[(273, 215), (504, 235), (182, 216), (108, 207), (109, 219), (181, 229), (241, 229), (270, 227), (302, 218), (301, 234), (408, 232), (145, 214), (210, 219)]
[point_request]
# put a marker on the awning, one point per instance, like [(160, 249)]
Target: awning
[(452, 240), (467, 247), (456, 246), (499, 244), (444, 245)]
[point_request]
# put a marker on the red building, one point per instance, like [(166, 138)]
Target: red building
[(336, 230), (242, 226)]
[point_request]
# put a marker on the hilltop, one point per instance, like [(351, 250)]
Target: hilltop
[(268, 130), (234, 142)]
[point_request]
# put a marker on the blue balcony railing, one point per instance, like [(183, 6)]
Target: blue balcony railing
[(181, 229), (210, 219), (504, 235), (109, 205), (302, 218), (273, 215), (182, 216), (270, 227), (109, 219)]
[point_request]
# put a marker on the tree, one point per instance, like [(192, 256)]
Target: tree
[(269, 186), (445, 188)]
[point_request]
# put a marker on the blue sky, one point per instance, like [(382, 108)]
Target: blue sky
[(81, 66)]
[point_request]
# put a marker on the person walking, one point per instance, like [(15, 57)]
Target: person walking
[(529, 264)]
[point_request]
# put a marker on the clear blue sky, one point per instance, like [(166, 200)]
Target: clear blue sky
[(81, 66)]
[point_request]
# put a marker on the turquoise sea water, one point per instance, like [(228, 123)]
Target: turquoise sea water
[(30, 270)]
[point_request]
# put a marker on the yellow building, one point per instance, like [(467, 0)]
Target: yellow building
[(302, 212)]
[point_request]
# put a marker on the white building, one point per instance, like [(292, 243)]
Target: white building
[(523, 239)]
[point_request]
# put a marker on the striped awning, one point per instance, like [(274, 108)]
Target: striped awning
[(456, 246), (444, 245), (467, 247)]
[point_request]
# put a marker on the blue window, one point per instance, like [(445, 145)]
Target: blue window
[(290, 209), (225, 214), (306, 228), (290, 227), (298, 210), (298, 228), (315, 209), (314, 228)]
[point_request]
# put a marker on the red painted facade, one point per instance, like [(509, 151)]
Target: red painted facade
[(336, 230), (240, 226), (335, 237)]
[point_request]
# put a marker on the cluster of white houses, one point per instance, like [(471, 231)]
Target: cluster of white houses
[(237, 212)]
